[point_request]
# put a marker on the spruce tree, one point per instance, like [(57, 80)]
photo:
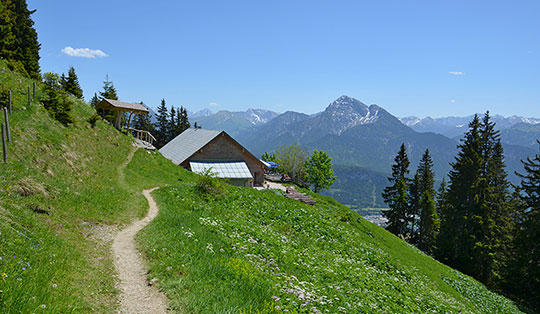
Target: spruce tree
[(94, 101), (172, 127), (162, 125), (524, 281), (441, 197), (414, 208), (109, 92), (396, 197), (142, 121), (429, 219), (72, 85), (458, 228), (476, 217), (182, 120), (55, 99), (19, 44)]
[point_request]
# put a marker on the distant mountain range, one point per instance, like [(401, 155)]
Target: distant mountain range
[(454, 127), (363, 141), (233, 122)]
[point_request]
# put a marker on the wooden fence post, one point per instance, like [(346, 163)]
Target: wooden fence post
[(29, 98), (4, 143), (10, 107), (7, 124)]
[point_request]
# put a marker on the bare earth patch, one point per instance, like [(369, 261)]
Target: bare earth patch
[(136, 295)]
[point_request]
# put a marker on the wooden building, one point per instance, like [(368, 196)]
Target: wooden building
[(198, 150), (118, 107)]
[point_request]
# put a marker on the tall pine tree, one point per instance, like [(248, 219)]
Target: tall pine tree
[(182, 120), (109, 91), (476, 218), (19, 44), (396, 197), (524, 281), (429, 219), (414, 208), (71, 84), (94, 100), (162, 125)]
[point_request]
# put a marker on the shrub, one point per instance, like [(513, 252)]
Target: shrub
[(210, 186), (93, 119)]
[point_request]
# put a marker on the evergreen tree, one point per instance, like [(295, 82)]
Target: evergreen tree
[(94, 101), (182, 120), (396, 195), (109, 92), (524, 281), (414, 209), (429, 220), (19, 44), (55, 100), (162, 125), (441, 197), (172, 127), (319, 171), (458, 234), (143, 122), (71, 84), (476, 226)]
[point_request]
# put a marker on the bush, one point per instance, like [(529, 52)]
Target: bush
[(210, 186), (56, 101), (93, 119)]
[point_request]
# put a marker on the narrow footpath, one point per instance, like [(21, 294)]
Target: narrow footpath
[(136, 296)]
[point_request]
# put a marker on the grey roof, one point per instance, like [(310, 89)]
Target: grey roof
[(223, 169), (187, 144), (120, 105)]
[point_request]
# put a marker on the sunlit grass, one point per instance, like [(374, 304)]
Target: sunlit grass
[(60, 201), (258, 252)]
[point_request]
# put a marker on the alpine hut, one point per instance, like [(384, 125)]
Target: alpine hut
[(198, 150)]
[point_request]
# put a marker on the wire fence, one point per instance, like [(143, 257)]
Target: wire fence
[(7, 110)]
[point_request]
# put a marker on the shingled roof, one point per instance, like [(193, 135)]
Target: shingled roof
[(187, 143), (121, 106)]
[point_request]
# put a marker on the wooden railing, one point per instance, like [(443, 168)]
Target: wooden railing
[(142, 135)]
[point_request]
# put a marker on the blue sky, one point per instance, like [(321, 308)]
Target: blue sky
[(423, 58)]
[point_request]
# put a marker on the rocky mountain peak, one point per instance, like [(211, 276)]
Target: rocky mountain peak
[(347, 112), (346, 104)]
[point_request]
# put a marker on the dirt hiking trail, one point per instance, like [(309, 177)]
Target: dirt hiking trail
[(136, 296)]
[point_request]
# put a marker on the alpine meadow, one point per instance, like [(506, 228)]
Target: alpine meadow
[(136, 175)]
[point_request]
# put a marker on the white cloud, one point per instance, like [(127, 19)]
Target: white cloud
[(452, 100), (213, 104), (83, 52), (455, 73)]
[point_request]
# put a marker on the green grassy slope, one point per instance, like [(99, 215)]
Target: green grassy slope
[(249, 252), (60, 262), (258, 252)]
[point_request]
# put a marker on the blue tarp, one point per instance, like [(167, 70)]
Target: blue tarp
[(272, 164)]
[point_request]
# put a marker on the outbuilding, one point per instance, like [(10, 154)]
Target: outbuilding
[(198, 150)]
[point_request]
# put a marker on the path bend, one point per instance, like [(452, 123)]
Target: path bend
[(136, 296)]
